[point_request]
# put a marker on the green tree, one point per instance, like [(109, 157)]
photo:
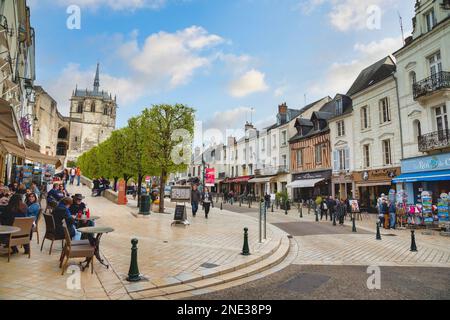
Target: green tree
[(170, 129)]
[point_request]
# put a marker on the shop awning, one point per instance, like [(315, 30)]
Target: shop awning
[(31, 155), (423, 176), (261, 180), (238, 179), (9, 126), (13, 149), (308, 183)]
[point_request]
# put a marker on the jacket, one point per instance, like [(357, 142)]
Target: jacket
[(60, 214), (207, 198), (196, 196), (33, 210), (8, 217), (54, 195)]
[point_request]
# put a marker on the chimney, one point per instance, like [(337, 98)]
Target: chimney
[(248, 126), (282, 109)]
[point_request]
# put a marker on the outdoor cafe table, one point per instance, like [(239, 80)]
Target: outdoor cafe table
[(99, 231), (8, 230)]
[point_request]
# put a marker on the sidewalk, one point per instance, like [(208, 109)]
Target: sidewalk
[(169, 257)]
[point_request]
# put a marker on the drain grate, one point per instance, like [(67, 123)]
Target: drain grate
[(389, 235), (209, 265)]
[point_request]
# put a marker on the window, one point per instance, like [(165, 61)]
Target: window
[(412, 79), (274, 141), (387, 152), (263, 143), (93, 107), (339, 107), (318, 153), (105, 111), (342, 159), (251, 169), (417, 128), (76, 139), (300, 158), (385, 113), (245, 154), (340, 128), (441, 118), (224, 154), (284, 138), (284, 157), (80, 108), (316, 125), (430, 20), (251, 152), (435, 64), (365, 120), (366, 156), (232, 171)]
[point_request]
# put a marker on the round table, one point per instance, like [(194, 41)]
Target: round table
[(91, 218), (99, 231), (8, 230)]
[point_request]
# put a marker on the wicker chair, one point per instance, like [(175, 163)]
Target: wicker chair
[(23, 236), (80, 251), (50, 232)]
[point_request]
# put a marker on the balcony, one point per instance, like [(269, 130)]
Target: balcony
[(269, 171), (431, 85), (434, 141)]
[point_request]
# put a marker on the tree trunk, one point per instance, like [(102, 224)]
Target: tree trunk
[(140, 178), (116, 179), (162, 186)]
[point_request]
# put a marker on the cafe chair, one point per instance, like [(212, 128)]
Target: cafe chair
[(80, 251), (23, 236), (35, 228), (50, 232)]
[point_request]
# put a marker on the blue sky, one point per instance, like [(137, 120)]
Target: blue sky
[(221, 57)]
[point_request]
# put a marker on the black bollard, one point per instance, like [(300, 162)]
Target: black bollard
[(249, 204), (221, 206), (240, 202), (300, 208), (317, 216), (354, 225), (378, 231), (133, 273), (286, 208), (413, 242), (245, 249), (272, 207)]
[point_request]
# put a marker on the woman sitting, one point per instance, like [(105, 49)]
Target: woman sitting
[(33, 206), (62, 213), (16, 209)]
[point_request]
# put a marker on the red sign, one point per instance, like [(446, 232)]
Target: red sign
[(210, 177)]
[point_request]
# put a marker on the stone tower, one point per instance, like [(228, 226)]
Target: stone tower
[(92, 118)]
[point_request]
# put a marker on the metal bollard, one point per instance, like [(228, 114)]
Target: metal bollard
[(272, 207), (354, 224), (245, 249), (334, 218), (413, 242), (133, 273), (378, 231)]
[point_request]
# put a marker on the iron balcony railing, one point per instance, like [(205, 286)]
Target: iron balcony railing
[(435, 140), (438, 81)]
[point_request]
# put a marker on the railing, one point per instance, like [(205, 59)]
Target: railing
[(273, 170), (438, 81), (435, 140)]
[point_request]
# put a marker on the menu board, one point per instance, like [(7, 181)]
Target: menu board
[(180, 213), (181, 193), (443, 207), (354, 205), (427, 205)]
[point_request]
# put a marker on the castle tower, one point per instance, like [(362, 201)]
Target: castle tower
[(92, 118)]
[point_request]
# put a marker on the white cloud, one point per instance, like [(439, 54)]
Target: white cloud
[(251, 82), (341, 75), (115, 4)]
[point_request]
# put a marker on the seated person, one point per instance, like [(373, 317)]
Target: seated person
[(54, 195), (63, 192), (16, 209), (62, 213), (33, 206), (96, 187)]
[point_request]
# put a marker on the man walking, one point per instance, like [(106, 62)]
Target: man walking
[(267, 200), (331, 203), (195, 199)]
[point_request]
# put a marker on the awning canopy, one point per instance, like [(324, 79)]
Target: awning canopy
[(261, 180), (308, 183), (423, 176), (9, 126), (238, 179), (31, 155)]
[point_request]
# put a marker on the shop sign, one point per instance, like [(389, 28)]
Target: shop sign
[(210, 177), (312, 175), (432, 163), (443, 208), (427, 206)]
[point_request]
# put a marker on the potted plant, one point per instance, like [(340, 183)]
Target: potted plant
[(284, 201)]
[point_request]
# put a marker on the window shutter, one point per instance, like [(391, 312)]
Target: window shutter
[(380, 111), (347, 159), (336, 160)]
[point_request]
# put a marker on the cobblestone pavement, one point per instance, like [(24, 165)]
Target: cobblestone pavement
[(341, 282), (167, 255)]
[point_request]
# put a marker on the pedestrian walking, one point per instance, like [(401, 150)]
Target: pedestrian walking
[(341, 212), (78, 175), (195, 199), (392, 214), (384, 214), (323, 210), (267, 200), (73, 172), (207, 199)]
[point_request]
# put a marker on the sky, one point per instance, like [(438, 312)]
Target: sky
[(231, 60)]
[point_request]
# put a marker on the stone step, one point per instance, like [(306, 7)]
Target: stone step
[(243, 272)]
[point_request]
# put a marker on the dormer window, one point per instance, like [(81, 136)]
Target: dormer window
[(317, 125), (339, 108), (430, 20)]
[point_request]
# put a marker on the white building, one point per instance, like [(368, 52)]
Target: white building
[(423, 73)]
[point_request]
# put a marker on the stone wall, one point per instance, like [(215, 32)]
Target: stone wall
[(108, 194)]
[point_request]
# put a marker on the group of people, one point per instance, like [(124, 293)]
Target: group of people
[(100, 184), (387, 212), (205, 198), (333, 207), (17, 201), (70, 174)]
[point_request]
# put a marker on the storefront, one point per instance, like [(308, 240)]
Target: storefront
[(240, 185), (370, 184), (262, 185), (309, 185), (343, 186), (431, 173)]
